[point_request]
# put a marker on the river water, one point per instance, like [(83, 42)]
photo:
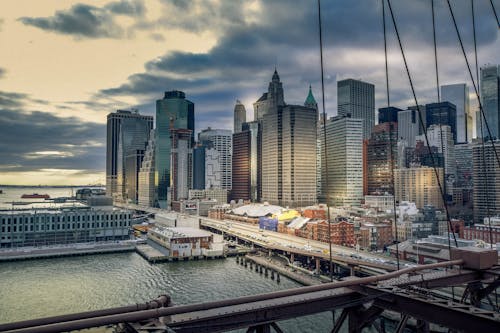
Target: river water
[(47, 287)]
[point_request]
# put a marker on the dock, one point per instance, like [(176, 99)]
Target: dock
[(69, 250)]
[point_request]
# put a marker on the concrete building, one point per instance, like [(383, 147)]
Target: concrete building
[(490, 100), (63, 226), (182, 242), (218, 194), (246, 173), (419, 185), (181, 166), (463, 160), (458, 94), (357, 99), (381, 158), (173, 107), (344, 140), (240, 116), (147, 192), (380, 202), (222, 141), (310, 102), (486, 175), (127, 133)]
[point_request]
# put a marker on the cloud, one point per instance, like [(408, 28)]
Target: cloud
[(86, 21), (2, 72), (47, 141)]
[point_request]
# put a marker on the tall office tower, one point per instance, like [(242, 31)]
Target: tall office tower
[(199, 166), (357, 98), (131, 130), (490, 100), (344, 150), (311, 103), (486, 175), (214, 160), (463, 158), (381, 158), (458, 94), (173, 107), (388, 115), (444, 113), (418, 185), (222, 141), (182, 162), (445, 146), (147, 193), (246, 170), (240, 116)]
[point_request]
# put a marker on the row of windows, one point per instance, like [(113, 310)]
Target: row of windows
[(68, 226), (73, 218)]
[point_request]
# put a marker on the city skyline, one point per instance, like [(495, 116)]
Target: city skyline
[(69, 64)]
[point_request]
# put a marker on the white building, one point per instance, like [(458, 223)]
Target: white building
[(222, 141), (344, 138)]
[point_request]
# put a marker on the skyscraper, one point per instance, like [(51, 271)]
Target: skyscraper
[(311, 103), (182, 162), (490, 100), (127, 133), (173, 107), (147, 193), (270, 100), (222, 141), (458, 94), (486, 175), (444, 113), (246, 171), (240, 116), (344, 153), (357, 99), (388, 115), (418, 185), (381, 158), (288, 138)]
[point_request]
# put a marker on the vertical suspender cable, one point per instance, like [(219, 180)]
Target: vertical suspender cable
[(324, 140), (440, 114), (495, 13), (483, 150), (391, 144), (420, 115)]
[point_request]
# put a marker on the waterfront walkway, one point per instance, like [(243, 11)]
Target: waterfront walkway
[(66, 250)]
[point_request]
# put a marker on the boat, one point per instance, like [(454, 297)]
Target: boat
[(35, 196)]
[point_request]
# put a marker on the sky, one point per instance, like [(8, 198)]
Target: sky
[(65, 65)]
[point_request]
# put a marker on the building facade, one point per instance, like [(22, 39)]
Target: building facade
[(443, 113), (174, 107), (147, 193), (127, 132), (486, 175), (381, 158), (222, 141), (357, 99), (240, 116), (344, 154), (181, 163), (418, 185), (490, 100), (458, 94)]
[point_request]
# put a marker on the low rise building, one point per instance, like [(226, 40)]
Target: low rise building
[(182, 242)]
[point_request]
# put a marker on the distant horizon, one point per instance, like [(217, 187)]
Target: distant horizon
[(57, 186)]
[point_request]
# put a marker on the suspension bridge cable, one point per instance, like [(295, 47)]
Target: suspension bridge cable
[(495, 13), (324, 140), (391, 143), (483, 150), (420, 118), (473, 83)]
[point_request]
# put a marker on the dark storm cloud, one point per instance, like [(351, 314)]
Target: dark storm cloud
[(242, 61), (33, 140), (88, 21)]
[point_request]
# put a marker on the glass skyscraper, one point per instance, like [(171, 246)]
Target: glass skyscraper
[(458, 94), (490, 92), (175, 111), (356, 99)]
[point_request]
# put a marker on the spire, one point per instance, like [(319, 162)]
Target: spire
[(276, 77), (310, 101)]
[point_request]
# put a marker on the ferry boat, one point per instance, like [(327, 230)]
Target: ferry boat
[(35, 196)]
